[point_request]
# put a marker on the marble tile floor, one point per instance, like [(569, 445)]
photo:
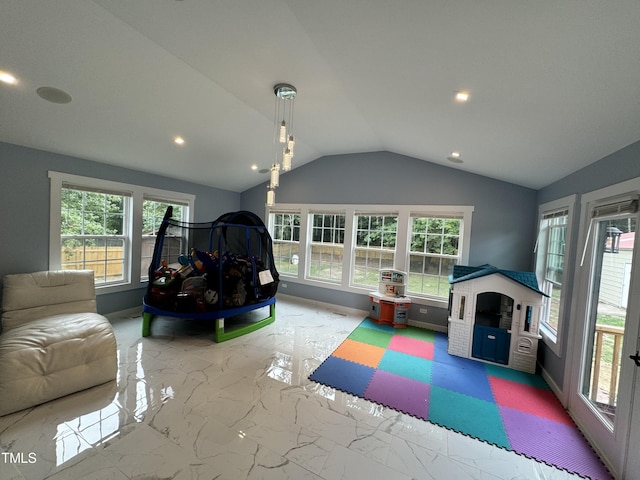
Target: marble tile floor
[(184, 407)]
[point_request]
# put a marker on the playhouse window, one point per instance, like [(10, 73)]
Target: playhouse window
[(463, 299), (527, 318)]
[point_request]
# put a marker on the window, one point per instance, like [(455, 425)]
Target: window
[(93, 233), (555, 227), (108, 227), (343, 247), (375, 247), (286, 241), (433, 252), (326, 248), (551, 259), (153, 212)]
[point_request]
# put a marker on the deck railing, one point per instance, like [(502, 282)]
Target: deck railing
[(603, 370)]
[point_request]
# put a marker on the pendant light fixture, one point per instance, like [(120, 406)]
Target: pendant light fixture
[(284, 140), (274, 179)]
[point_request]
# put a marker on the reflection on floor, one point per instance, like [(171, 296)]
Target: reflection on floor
[(184, 407)]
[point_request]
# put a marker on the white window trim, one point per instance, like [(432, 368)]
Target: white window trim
[(404, 213), (554, 339), (309, 234), (136, 195)]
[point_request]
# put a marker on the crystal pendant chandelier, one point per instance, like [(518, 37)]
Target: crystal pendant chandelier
[(284, 141)]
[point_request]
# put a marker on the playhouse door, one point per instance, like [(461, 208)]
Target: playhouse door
[(602, 392)]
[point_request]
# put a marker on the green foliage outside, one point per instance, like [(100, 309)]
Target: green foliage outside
[(376, 231), (435, 235), (93, 213), (152, 214), (429, 236), (90, 213), (88, 219)]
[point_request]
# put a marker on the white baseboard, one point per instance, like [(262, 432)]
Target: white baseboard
[(554, 387), (129, 312), (428, 326)]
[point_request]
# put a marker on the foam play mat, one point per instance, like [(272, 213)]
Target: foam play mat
[(410, 370)]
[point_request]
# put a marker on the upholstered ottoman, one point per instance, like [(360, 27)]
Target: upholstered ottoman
[(53, 342)]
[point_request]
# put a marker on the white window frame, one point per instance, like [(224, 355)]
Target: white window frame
[(133, 228), (426, 255), (281, 241), (554, 339), (379, 250), (311, 244), (147, 197), (404, 214)]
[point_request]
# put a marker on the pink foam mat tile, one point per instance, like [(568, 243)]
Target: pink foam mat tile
[(526, 398), (412, 346)]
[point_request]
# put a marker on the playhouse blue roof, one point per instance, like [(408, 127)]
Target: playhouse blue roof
[(462, 273)]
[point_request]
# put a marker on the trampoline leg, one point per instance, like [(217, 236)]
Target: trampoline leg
[(146, 324)]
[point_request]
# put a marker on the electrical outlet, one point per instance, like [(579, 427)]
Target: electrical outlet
[(423, 310), (283, 285)]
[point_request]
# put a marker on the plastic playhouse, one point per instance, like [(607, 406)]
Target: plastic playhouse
[(494, 316)]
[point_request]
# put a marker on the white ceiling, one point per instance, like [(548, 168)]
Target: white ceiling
[(555, 84)]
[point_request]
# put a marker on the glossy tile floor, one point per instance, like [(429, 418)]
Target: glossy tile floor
[(184, 407)]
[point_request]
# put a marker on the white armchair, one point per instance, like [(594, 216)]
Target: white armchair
[(53, 342)]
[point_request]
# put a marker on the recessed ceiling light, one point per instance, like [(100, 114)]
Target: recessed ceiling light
[(454, 157), (6, 77), (178, 141), (462, 96), (254, 167)]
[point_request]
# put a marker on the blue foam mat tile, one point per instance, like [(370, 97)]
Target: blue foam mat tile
[(344, 375), (467, 381)]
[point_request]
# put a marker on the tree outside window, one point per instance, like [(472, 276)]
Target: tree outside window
[(175, 241), (93, 233), (375, 247), (326, 249), (432, 254)]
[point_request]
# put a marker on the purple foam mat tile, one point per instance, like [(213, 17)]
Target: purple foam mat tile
[(384, 388), (554, 443)]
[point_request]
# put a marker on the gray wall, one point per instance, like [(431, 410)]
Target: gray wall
[(24, 208), (618, 167), (503, 225)]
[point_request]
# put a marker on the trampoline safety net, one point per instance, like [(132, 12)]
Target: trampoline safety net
[(200, 267)]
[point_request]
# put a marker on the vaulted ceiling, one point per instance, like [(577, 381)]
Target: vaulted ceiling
[(555, 84)]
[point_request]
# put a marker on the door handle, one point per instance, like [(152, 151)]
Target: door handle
[(636, 358)]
